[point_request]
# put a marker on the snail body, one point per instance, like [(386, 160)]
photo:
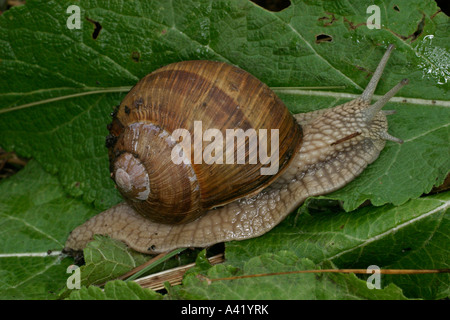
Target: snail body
[(196, 204)]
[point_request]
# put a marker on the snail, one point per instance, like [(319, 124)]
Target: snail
[(192, 202)]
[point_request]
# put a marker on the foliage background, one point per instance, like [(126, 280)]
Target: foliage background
[(59, 85)]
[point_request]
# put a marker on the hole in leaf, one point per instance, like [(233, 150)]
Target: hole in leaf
[(396, 8), (323, 38), (419, 30), (97, 29), (273, 5)]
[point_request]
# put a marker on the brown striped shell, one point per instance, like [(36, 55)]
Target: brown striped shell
[(222, 97)]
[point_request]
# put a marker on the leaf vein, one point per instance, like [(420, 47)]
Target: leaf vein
[(445, 205)]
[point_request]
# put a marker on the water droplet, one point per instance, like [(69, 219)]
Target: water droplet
[(435, 61)]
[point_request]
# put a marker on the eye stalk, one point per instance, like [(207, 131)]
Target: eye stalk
[(370, 89), (370, 112)]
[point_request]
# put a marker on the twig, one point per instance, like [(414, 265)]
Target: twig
[(173, 276)]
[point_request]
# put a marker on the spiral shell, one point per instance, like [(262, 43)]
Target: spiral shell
[(179, 96)]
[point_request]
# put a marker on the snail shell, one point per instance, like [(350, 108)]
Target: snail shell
[(186, 95)]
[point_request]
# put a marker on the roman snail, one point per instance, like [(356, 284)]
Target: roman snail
[(180, 192)]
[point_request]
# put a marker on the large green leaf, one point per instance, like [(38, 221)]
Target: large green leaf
[(35, 218), (46, 60), (59, 85), (116, 290), (411, 236), (286, 286)]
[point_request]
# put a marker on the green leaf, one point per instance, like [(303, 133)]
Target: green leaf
[(32, 277), (31, 266), (323, 286), (107, 259), (433, 254), (411, 236), (46, 60), (59, 85), (115, 290), (35, 217), (36, 214)]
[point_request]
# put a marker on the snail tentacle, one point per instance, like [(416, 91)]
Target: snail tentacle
[(370, 112), (370, 89)]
